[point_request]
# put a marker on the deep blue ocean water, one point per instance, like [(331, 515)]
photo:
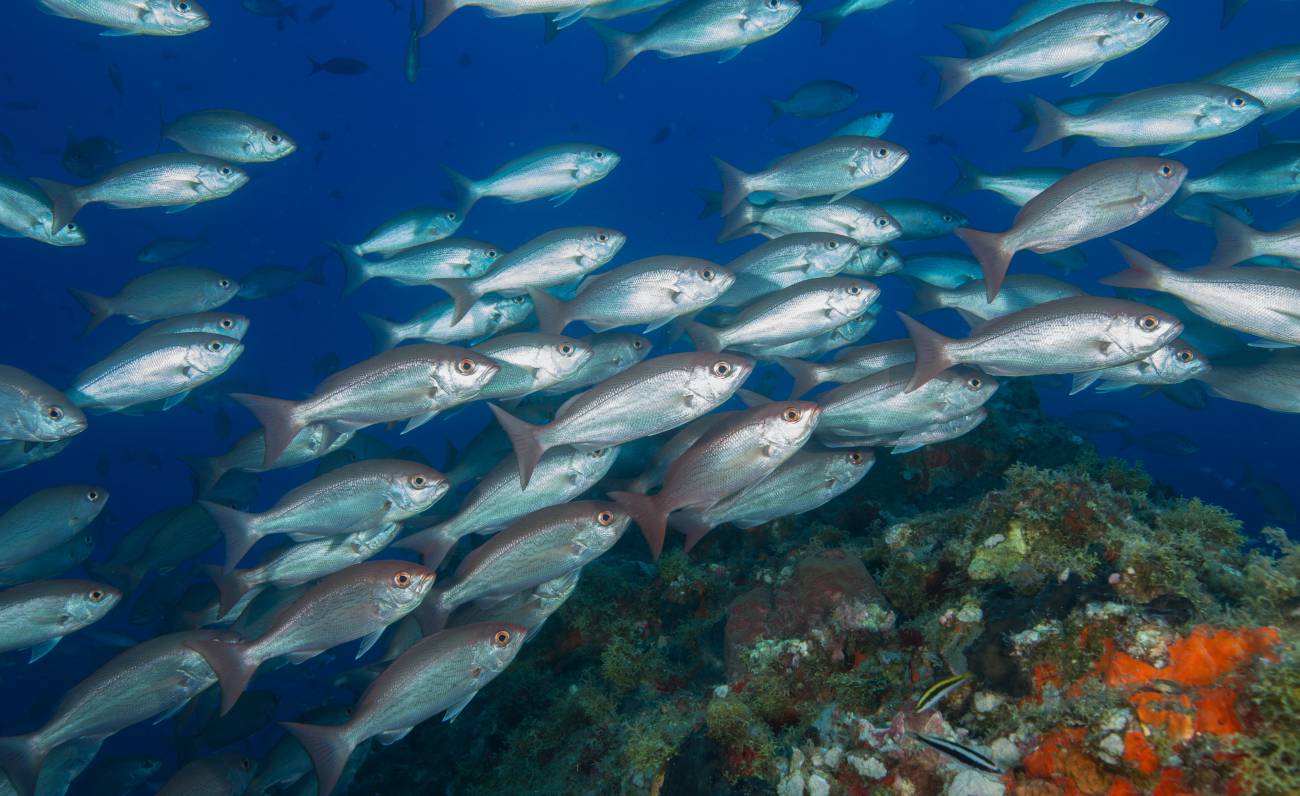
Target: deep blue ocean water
[(488, 90)]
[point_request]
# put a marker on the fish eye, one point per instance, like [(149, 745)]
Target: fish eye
[(599, 155), (855, 457), (605, 518), (598, 453), (882, 222), (71, 227), (974, 382), (92, 495), (225, 171), (223, 282), (1138, 16), (215, 346), (466, 366), (1237, 102), (492, 254), (602, 237), (246, 764), (97, 596), (182, 6), (947, 218), (501, 638), (720, 369), (275, 138), (833, 245), (637, 344), (566, 349), (1166, 170), (402, 579), (1149, 323), (854, 290), (451, 215), (773, 4), (707, 274), (227, 323), (419, 481), (882, 152), (518, 299), (791, 414), (54, 413), (1184, 356)]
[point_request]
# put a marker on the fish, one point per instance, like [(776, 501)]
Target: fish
[(611, 354), (555, 172), (248, 454), (1017, 187), (33, 411), (802, 310), (831, 18), (154, 678), (1173, 364), (53, 562), (652, 474), (64, 765), (87, 158), (835, 167), (530, 362), (847, 333), (863, 221), (339, 65), (650, 292), (1271, 170), (411, 383), (440, 673), (549, 260), (157, 295), (174, 180), (498, 500), (26, 211), (815, 100), (154, 368), (922, 220), (961, 753), (361, 496), (143, 18), (120, 775), (979, 41), (1019, 292), (696, 27), (941, 431), (268, 281), (1264, 302), (287, 761), (1268, 75), (649, 398), (1092, 202), (529, 609), (805, 482), (46, 519), (936, 693), (543, 545), (882, 407), (360, 601), (409, 229), (1166, 443), (276, 9), (872, 261), (1174, 116), (802, 254), (488, 317), (871, 125), (1075, 42), (1068, 335), (424, 264), (944, 270), (564, 12), (231, 136), (728, 457), (15, 454), (849, 364), (224, 775), (1270, 384), (1238, 242), (37, 616), (166, 249)]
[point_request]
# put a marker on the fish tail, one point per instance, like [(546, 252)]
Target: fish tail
[(954, 75), (469, 192), (231, 666), (231, 585), (279, 419), (463, 295), (1053, 123), (329, 748), (22, 760), (1026, 109), (925, 298), (383, 332), (99, 307), (705, 338), (977, 41), (712, 201), (524, 438), (990, 248), (830, 20), (932, 357), (552, 313), (316, 66), (807, 375), (66, 201), (356, 269), (435, 11), (1143, 272), (734, 190), (652, 519), (969, 176), (207, 472), (1235, 240), (738, 223), (238, 528), (433, 545), (620, 47)]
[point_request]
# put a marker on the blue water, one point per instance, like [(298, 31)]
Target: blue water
[(489, 90)]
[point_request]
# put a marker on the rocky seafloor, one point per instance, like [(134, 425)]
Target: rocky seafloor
[(1120, 639)]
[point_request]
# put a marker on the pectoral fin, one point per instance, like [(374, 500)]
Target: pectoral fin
[(43, 649), (727, 55), (179, 208), (1079, 75)]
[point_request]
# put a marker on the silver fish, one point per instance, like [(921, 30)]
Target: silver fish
[(652, 475), (566, 11), (847, 333), (652, 291), (850, 364), (941, 270), (872, 125), (1239, 242), (530, 608), (443, 672), (881, 405), (223, 775), (541, 546), (362, 600), (835, 167), (361, 496), (142, 18), (1269, 75), (831, 18), (154, 368), (793, 313), (655, 396), (530, 362), (33, 411), (1075, 42), (53, 562), (249, 454), (1089, 203), (226, 324), (409, 229), (423, 264), (943, 431), (808, 254), (864, 222), (175, 180), (1173, 364), (38, 615), (555, 171), (979, 41), (1264, 302), (410, 383), (232, 136), (730, 456), (557, 257), (1017, 187), (922, 220), (1273, 384), (1069, 335), (1019, 291), (697, 27), (1271, 170), (160, 294), (611, 354), (16, 454), (488, 317), (872, 261), (25, 210)]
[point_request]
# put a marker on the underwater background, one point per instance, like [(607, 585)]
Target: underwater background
[(619, 692)]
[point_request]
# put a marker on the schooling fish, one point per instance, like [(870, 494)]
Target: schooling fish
[(565, 12), (228, 135), (807, 254), (1272, 384), (37, 616), (979, 41), (154, 368), (871, 261), (802, 310), (555, 171), (224, 775), (164, 293), (835, 167), (33, 411), (1239, 242), (266, 281), (863, 221), (1268, 75), (815, 100), (421, 264), (487, 317), (47, 519), (408, 230), (26, 211), (611, 354), (922, 220), (133, 17), (833, 17), (872, 125), (1017, 187), (249, 454), (879, 408), (530, 362), (942, 270), (1019, 291), (1173, 364), (1272, 170), (166, 249), (849, 364)]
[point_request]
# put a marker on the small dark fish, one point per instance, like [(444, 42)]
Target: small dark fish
[(962, 754), (662, 135), (89, 157), (1167, 443), (1098, 420), (115, 77), (339, 66), (320, 12)]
